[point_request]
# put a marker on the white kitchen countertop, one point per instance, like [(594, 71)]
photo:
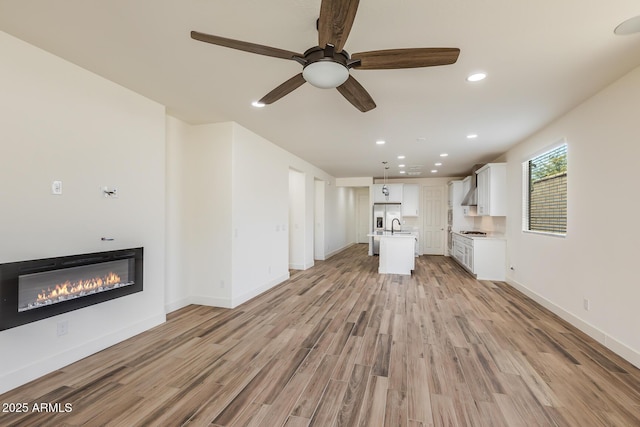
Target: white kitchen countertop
[(399, 234), (489, 236)]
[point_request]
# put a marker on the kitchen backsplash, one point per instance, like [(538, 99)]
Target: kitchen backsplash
[(494, 224), (411, 222)]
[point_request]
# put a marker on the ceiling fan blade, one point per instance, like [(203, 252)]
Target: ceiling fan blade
[(246, 46), (405, 58), (285, 88), (335, 22), (356, 95)]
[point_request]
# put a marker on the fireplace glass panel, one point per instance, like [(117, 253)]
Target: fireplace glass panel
[(43, 289)]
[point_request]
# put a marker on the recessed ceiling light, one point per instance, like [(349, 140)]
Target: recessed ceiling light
[(476, 77), (400, 166), (380, 142), (400, 157), (437, 164), (443, 155), (258, 104), (403, 172), (434, 170), (630, 26), (421, 139), (472, 136)]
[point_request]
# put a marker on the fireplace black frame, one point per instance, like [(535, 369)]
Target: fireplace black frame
[(10, 317)]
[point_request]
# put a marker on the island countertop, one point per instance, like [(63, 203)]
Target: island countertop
[(394, 234)]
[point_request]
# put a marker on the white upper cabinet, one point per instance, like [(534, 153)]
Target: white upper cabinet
[(410, 199), (395, 193), (492, 189)]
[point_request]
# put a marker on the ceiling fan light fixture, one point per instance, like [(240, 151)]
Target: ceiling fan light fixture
[(325, 74), (258, 104)]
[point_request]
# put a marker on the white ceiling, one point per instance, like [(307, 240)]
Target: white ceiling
[(542, 58)]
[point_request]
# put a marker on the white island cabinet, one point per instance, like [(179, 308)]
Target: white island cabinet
[(397, 252)]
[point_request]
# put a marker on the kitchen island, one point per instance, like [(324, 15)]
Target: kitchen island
[(397, 252)]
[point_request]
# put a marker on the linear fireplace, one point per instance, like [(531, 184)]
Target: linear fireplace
[(37, 289)]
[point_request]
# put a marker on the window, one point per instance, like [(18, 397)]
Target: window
[(545, 192)]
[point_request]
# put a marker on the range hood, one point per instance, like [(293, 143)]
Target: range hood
[(471, 198)]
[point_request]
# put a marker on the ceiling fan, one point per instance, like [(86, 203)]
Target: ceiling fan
[(327, 65)]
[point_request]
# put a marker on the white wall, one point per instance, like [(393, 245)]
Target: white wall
[(260, 182), (176, 290), (598, 258), (319, 248), (233, 218), (208, 214), (60, 122), (297, 204)]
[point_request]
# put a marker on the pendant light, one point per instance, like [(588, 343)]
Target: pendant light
[(385, 188)]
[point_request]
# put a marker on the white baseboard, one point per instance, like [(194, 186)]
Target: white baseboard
[(300, 266), (45, 366), (621, 349), (233, 302), (177, 305), (241, 299), (210, 301), (337, 251)]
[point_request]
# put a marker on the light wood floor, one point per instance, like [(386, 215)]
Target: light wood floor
[(339, 344)]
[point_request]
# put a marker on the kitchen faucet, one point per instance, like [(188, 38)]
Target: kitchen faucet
[(394, 220)]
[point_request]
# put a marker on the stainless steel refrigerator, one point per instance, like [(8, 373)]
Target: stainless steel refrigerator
[(383, 215)]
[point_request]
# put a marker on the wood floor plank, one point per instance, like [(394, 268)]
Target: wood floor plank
[(374, 404), (339, 344), (418, 396), (353, 397), (329, 406), (395, 414)]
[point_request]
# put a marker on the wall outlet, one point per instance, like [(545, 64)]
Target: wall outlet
[(586, 304), (56, 188), (63, 328), (221, 284)]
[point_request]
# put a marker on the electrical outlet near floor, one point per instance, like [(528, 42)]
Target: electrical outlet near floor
[(586, 304), (63, 328)]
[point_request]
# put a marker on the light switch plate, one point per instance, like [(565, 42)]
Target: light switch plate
[(110, 192)]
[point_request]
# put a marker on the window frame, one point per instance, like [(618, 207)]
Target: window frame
[(526, 190)]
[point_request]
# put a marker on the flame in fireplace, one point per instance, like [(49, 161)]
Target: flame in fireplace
[(81, 287)]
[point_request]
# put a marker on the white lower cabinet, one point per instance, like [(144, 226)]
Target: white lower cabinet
[(484, 257)]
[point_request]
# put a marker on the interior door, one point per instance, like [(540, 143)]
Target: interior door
[(433, 239)]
